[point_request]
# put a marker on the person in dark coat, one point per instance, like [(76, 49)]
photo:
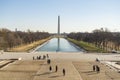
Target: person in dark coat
[(48, 61), (94, 67), (56, 68), (50, 68), (44, 57), (63, 72), (47, 56), (97, 60), (39, 57), (97, 69)]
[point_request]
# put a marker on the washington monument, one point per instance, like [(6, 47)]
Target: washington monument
[(58, 25)]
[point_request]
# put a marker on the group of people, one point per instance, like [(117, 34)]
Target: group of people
[(40, 57), (96, 68), (48, 62), (56, 67)]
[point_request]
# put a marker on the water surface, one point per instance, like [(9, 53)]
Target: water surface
[(59, 44)]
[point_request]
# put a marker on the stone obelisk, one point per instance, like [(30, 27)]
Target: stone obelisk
[(58, 47), (58, 25)]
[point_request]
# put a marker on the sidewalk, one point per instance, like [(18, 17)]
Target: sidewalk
[(45, 74), (86, 71), (77, 66)]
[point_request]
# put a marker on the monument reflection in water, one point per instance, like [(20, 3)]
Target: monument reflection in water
[(58, 45)]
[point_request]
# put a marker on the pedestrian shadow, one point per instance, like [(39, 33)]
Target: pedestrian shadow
[(42, 74), (44, 64), (93, 73), (45, 73), (90, 72), (55, 76)]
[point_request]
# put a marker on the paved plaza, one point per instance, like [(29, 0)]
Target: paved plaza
[(78, 66)]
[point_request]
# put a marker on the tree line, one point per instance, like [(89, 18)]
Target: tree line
[(9, 39), (101, 38)]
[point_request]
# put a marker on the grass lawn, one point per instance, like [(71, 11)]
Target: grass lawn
[(86, 46), (27, 47)]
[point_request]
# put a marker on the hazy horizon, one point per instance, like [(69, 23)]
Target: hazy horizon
[(75, 15)]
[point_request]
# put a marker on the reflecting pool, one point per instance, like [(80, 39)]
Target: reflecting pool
[(59, 45)]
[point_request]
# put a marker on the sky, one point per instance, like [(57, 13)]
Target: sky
[(75, 15)]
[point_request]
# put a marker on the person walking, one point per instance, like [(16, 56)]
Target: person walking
[(63, 72), (48, 61), (50, 68), (97, 69), (97, 60), (56, 68), (94, 67), (47, 56), (39, 57), (44, 57)]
